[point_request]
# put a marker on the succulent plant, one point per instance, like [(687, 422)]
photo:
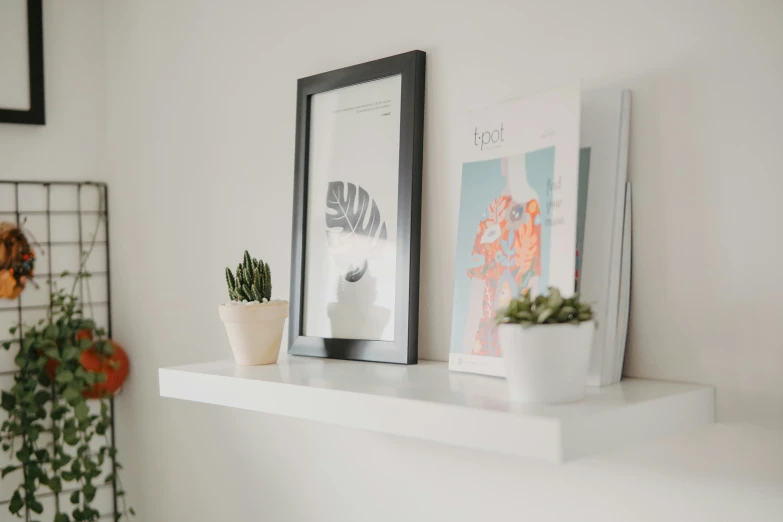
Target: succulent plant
[(253, 281), (545, 309)]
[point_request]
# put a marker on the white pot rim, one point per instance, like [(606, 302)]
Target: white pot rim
[(253, 312), (549, 326), (269, 304)]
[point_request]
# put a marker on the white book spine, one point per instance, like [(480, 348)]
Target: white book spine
[(610, 340), (624, 305)]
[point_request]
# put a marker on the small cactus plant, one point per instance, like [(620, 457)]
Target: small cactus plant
[(545, 309), (253, 281)]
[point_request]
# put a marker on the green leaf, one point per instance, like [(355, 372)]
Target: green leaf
[(8, 401), (544, 315), (53, 353), (64, 377), (555, 300), (35, 506), (58, 412), (75, 497), (33, 432), (61, 517), (81, 412), (566, 313), (87, 324), (64, 460), (16, 503), (42, 397), (71, 353), (89, 492), (71, 438), (55, 484), (9, 469), (16, 428), (50, 332), (70, 394)]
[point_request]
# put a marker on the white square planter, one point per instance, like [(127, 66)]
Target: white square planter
[(546, 363)]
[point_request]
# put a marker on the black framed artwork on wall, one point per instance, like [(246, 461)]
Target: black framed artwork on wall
[(29, 111), (357, 212)]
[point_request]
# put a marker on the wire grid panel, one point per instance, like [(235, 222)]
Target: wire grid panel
[(63, 221)]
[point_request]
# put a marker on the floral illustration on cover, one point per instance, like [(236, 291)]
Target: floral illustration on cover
[(506, 250), (504, 247)]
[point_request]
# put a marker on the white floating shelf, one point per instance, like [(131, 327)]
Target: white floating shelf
[(427, 401)]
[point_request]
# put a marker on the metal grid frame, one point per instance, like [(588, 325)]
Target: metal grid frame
[(47, 278)]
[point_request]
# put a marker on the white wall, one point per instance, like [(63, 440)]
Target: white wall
[(72, 144), (200, 136)]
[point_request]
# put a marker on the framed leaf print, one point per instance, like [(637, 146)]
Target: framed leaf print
[(357, 207)]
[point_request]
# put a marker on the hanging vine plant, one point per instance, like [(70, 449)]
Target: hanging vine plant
[(51, 433)]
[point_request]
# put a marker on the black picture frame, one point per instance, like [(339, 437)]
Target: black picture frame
[(36, 114), (404, 348)]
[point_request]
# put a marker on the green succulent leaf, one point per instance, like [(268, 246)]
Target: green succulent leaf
[(551, 308), (251, 282), (544, 315)]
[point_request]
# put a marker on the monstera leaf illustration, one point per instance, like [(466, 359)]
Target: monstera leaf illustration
[(354, 228)]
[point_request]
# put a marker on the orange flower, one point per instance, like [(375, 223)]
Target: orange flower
[(526, 246), (8, 287)]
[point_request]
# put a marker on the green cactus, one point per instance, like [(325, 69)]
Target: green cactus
[(252, 282), (545, 309)]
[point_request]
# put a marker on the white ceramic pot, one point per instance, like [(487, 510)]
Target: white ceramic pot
[(547, 363), (255, 331)]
